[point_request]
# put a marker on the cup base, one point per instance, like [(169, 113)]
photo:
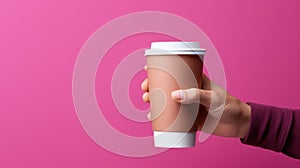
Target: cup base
[(174, 139)]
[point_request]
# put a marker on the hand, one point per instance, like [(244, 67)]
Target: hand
[(235, 119)]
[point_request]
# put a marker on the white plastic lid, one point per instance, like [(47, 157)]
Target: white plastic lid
[(174, 139), (175, 47)]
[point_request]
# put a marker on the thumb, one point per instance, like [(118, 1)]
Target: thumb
[(193, 95)]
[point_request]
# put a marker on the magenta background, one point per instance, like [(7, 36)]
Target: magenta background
[(258, 42)]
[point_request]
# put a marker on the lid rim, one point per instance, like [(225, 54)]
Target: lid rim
[(174, 48), (149, 52)]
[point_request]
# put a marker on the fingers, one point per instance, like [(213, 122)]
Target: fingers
[(187, 96), (146, 97), (145, 85), (192, 95), (145, 88)]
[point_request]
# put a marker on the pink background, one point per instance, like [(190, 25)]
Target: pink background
[(258, 42)]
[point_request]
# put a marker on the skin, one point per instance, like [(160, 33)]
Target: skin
[(235, 119)]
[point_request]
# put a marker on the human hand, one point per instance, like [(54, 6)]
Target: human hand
[(235, 119)]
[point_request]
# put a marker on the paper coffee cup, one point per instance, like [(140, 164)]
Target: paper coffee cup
[(172, 66)]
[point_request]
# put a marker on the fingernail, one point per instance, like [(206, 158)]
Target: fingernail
[(178, 94)]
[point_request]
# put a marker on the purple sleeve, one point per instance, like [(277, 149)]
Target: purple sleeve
[(274, 128)]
